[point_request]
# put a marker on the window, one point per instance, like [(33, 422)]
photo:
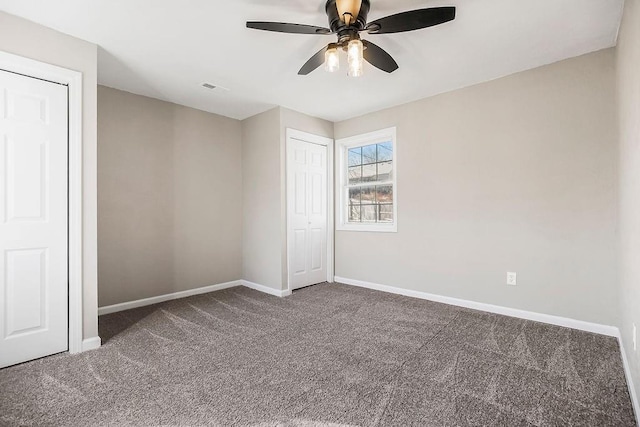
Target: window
[(368, 182)]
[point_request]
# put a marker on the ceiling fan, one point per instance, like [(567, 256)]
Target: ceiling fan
[(347, 19)]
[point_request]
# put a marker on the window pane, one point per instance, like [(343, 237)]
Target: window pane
[(354, 196), (355, 175), (368, 213), (369, 173), (354, 213), (367, 166), (385, 213), (355, 156), (368, 195), (384, 194), (369, 154), (385, 152), (385, 171)]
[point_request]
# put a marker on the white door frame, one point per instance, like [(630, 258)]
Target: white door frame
[(291, 135), (73, 80)]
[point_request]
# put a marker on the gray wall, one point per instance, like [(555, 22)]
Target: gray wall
[(261, 234), (517, 174), (264, 257), (170, 197), (189, 199), (21, 37), (628, 57)]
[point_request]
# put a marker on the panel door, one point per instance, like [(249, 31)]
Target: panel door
[(33, 218), (307, 205)]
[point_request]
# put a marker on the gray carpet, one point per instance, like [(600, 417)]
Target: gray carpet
[(328, 355)]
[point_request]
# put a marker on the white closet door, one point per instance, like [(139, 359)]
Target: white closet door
[(33, 218), (307, 205)]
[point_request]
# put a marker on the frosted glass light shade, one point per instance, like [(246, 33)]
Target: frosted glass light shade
[(332, 59), (355, 58)]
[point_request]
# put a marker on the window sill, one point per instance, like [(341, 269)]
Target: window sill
[(370, 228)]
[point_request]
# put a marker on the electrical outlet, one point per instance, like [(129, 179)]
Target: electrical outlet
[(635, 338), (512, 279)]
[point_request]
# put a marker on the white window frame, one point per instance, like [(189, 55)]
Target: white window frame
[(343, 145)]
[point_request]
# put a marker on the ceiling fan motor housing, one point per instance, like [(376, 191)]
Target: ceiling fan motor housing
[(338, 26)]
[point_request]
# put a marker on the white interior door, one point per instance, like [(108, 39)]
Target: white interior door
[(307, 213), (33, 218)]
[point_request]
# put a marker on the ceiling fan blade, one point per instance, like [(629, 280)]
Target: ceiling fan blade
[(378, 57), (314, 62), (412, 20), (281, 27)]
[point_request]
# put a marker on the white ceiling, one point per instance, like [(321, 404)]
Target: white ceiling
[(166, 48)]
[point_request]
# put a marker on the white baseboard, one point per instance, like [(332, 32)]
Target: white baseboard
[(183, 294), (627, 374), (167, 297), (506, 311), (91, 344), (266, 289)]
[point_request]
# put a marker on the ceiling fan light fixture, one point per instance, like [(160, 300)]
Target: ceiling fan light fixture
[(355, 58), (348, 10), (332, 58), (349, 18)]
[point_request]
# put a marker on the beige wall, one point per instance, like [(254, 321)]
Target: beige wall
[(261, 234), (628, 65), (169, 189), (30, 40), (517, 174), (189, 199), (264, 191)]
